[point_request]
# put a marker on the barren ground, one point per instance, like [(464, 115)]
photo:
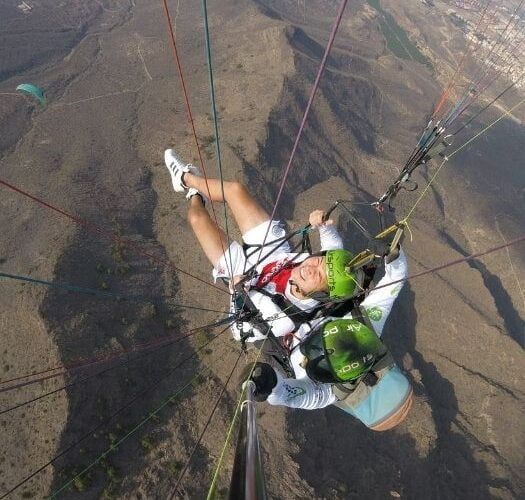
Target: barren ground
[(95, 151)]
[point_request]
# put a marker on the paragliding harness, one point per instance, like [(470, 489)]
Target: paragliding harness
[(366, 261), (352, 378), (280, 349), (247, 312)]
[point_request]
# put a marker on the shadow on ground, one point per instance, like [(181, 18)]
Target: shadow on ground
[(340, 458), (107, 400), (514, 323)]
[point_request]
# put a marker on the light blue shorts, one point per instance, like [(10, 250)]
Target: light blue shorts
[(384, 399)]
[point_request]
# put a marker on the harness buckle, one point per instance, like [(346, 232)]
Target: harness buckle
[(370, 379)]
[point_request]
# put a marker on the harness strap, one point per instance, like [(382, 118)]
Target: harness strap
[(359, 388), (360, 315), (296, 315), (254, 317), (251, 248), (306, 245)]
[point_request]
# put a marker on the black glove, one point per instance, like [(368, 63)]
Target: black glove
[(264, 378)]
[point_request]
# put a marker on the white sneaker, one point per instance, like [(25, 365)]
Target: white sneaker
[(177, 168), (193, 192)]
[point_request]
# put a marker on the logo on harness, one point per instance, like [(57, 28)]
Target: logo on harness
[(374, 313), (277, 230)]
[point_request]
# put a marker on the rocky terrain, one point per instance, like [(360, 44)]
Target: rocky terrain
[(95, 151)]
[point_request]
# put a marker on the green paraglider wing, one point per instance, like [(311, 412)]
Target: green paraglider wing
[(35, 91)]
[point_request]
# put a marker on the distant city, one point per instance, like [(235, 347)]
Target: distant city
[(496, 35)]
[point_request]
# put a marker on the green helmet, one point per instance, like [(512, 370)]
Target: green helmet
[(342, 284), (341, 351)]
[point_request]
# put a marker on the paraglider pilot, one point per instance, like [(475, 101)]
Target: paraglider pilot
[(283, 281), (337, 361)]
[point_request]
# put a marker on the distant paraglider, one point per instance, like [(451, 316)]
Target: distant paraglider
[(35, 91)]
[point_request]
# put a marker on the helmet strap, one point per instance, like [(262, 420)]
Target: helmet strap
[(319, 296), (298, 288)]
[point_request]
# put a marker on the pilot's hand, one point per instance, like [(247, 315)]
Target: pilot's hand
[(238, 279), (317, 219)]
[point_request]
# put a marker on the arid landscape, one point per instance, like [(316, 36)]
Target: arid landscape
[(105, 218)]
